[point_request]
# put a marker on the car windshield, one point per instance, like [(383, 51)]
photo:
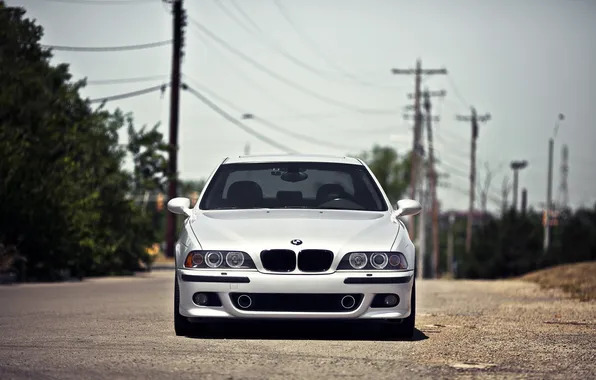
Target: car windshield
[(308, 185)]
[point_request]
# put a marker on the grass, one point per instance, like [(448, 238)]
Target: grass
[(579, 279)]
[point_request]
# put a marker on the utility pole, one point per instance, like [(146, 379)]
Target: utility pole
[(474, 119), (432, 176), (505, 189), (247, 149), (516, 166), (549, 185), (422, 228), (450, 244), (416, 146), (524, 201), (563, 196), (178, 17)]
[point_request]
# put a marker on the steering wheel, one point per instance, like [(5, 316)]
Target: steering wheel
[(334, 197)]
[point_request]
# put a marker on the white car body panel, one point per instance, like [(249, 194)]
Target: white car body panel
[(254, 230), (306, 283)]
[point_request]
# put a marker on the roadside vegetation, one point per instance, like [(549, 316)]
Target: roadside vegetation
[(578, 279), (68, 207)]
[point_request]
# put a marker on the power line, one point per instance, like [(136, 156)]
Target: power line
[(264, 38), (213, 94), (308, 42), (417, 148), (107, 48), (238, 109), (102, 82), (255, 84), (268, 123), (282, 79), (272, 44), (453, 170), (299, 136), (132, 94), (446, 151), (494, 199), (236, 122), (102, 2), (456, 91)]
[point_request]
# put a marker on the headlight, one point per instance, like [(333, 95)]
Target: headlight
[(358, 260), (379, 260), (214, 259), (235, 259), (373, 261), (218, 260)]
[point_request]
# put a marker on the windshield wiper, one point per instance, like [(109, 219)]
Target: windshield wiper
[(237, 208)]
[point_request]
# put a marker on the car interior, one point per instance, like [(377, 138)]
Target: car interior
[(248, 194)]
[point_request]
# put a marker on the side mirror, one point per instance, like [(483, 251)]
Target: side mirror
[(408, 207), (180, 206)]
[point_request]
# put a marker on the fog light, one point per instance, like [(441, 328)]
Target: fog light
[(200, 299), (391, 300)]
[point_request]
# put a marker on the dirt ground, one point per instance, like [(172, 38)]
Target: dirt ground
[(121, 328)]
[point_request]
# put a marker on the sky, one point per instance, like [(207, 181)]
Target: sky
[(523, 62)]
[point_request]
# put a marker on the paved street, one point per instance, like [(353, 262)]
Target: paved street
[(121, 328)]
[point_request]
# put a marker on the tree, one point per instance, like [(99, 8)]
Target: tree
[(392, 171), (63, 191), (148, 151), (512, 245)]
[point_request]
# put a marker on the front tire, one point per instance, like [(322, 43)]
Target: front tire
[(405, 329), (182, 326)]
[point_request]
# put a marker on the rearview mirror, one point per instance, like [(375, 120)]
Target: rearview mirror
[(408, 207), (180, 206)]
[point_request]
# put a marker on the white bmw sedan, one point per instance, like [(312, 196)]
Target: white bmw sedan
[(294, 237)]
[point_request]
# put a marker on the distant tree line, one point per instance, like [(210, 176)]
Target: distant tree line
[(512, 244)]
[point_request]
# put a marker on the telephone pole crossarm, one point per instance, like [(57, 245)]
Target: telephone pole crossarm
[(424, 117)]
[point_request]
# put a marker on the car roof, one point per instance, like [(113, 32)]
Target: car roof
[(292, 158)]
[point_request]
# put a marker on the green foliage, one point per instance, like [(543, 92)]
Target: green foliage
[(513, 245), (148, 150), (392, 170), (64, 198)]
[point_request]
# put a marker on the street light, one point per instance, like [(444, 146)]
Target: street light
[(516, 166)]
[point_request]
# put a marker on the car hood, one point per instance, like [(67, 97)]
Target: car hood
[(255, 230)]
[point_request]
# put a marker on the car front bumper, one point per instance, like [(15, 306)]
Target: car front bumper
[(227, 287)]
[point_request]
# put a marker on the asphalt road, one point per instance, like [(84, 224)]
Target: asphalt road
[(121, 328)]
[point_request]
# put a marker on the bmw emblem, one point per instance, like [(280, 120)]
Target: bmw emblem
[(296, 242)]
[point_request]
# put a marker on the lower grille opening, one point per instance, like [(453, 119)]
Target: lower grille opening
[(314, 260), (296, 302), (279, 260), (206, 299), (385, 300)]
